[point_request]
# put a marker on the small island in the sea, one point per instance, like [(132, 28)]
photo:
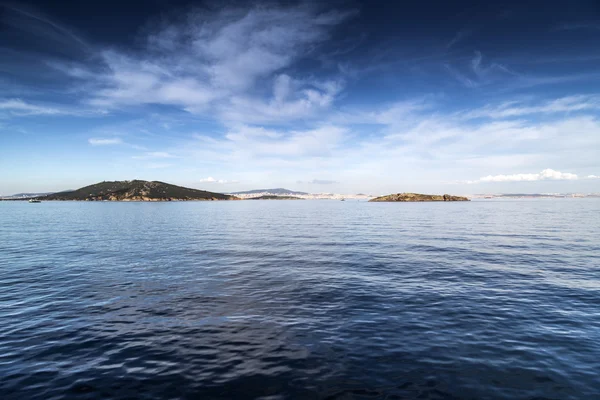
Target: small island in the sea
[(136, 190), (274, 197), (406, 197)]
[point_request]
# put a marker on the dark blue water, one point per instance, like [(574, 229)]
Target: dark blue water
[(300, 300)]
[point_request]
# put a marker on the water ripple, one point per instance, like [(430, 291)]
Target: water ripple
[(300, 300)]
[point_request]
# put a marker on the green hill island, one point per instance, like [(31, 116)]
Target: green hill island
[(136, 190), (408, 197)]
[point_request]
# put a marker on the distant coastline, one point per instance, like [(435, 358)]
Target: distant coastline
[(274, 198), (155, 191)]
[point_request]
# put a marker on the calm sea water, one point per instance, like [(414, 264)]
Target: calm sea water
[(300, 300)]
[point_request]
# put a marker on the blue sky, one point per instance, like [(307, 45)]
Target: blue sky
[(315, 96)]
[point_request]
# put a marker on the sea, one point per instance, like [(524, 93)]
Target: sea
[(323, 299)]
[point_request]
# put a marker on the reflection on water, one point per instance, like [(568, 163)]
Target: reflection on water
[(313, 299)]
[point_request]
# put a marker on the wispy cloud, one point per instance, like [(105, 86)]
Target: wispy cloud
[(319, 182), (154, 155), (400, 113), (411, 135), (210, 179), (260, 91), (593, 176), (291, 100), (416, 138), (575, 103), (21, 108), (266, 152), (479, 73), (158, 165), (213, 61), (246, 142), (21, 17), (547, 174), (462, 78), (105, 141), (459, 36), (568, 26)]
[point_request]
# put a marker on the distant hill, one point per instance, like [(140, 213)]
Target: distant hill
[(136, 190), (278, 191), (28, 195), (529, 195), (267, 197), (405, 197)]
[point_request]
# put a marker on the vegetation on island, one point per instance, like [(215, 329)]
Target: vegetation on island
[(406, 197), (136, 190)]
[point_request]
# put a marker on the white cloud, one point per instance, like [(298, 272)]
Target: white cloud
[(547, 174), (292, 99), (268, 99), (518, 109), (21, 108), (479, 73), (154, 154), (158, 165), (249, 143), (160, 154), (104, 141), (213, 61), (434, 147), (593, 177), (390, 142), (320, 182), (210, 179)]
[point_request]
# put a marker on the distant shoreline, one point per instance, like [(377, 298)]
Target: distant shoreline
[(478, 199), (121, 201)]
